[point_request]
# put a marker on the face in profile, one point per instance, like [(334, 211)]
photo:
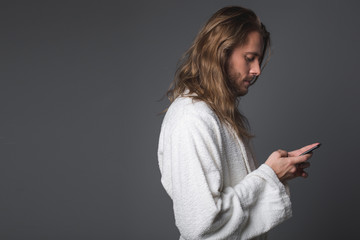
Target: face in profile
[(244, 63)]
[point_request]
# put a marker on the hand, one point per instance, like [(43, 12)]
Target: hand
[(289, 165)]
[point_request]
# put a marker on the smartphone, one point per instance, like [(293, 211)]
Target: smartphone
[(311, 149)]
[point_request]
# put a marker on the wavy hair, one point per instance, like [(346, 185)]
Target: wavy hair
[(203, 70)]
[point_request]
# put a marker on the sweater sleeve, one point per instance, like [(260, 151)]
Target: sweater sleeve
[(203, 207)]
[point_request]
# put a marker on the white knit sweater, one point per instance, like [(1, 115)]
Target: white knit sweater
[(210, 175)]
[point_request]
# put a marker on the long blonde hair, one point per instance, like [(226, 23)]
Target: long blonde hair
[(203, 69)]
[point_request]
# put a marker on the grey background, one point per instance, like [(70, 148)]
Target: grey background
[(80, 84)]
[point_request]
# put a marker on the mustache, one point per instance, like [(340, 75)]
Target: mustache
[(253, 79)]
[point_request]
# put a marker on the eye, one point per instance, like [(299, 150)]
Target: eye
[(249, 59)]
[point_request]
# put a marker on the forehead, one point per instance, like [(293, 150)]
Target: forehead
[(253, 44)]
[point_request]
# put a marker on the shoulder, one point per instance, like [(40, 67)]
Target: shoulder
[(190, 112)]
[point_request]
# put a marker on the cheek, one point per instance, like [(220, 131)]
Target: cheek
[(243, 67), (239, 64), (234, 75)]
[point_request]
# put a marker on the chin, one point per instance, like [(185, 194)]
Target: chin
[(241, 93)]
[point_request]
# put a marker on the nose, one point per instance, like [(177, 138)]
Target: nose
[(255, 69)]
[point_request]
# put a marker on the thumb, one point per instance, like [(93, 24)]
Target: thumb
[(282, 153)]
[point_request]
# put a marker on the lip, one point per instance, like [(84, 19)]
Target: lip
[(247, 82)]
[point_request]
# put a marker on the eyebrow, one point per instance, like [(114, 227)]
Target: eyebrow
[(254, 53)]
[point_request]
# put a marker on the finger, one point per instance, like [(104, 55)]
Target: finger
[(304, 174), (283, 153), (299, 159), (298, 173), (303, 165), (309, 155), (303, 149)]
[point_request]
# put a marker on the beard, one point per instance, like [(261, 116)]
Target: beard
[(238, 84)]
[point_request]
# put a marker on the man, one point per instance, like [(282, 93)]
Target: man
[(207, 168)]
